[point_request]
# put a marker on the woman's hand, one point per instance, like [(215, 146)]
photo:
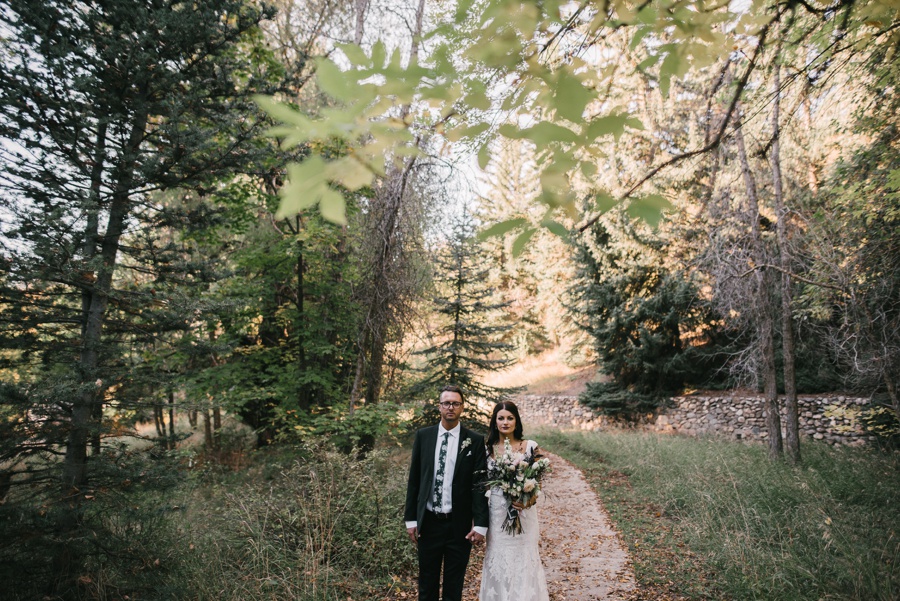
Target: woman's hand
[(519, 506)]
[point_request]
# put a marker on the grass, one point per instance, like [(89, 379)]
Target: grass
[(715, 519), (302, 523)]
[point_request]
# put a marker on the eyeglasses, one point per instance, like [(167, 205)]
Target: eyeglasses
[(448, 404)]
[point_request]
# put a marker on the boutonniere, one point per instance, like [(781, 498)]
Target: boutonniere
[(465, 444)]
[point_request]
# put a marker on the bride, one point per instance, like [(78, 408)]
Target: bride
[(512, 564)]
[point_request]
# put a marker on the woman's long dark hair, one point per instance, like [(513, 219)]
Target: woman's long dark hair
[(494, 434)]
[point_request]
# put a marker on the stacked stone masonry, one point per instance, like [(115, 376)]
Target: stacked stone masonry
[(831, 419)]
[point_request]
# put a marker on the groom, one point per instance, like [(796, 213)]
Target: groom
[(446, 510)]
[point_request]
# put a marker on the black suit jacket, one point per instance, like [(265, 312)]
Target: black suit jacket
[(469, 503)]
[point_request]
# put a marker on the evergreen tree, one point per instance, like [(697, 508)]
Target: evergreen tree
[(467, 343), (105, 107), (648, 322)]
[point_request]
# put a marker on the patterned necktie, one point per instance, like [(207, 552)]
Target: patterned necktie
[(438, 502)]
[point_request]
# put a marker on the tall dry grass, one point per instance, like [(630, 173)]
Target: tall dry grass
[(742, 527)]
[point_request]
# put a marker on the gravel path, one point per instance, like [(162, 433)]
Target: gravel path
[(583, 557)]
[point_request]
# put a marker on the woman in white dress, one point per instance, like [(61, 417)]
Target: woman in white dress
[(512, 563)]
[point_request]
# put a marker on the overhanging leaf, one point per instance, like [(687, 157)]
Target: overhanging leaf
[(649, 208), (349, 172), (305, 185), (546, 132), (334, 81), (604, 202), (484, 156), (571, 97), (355, 54), (332, 206), (499, 229), (521, 241), (556, 228)]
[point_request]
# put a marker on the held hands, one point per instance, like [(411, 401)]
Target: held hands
[(474, 537)]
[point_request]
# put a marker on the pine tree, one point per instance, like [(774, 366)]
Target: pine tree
[(640, 314), (105, 107), (467, 343)]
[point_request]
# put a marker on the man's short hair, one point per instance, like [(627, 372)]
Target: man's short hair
[(453, 388)]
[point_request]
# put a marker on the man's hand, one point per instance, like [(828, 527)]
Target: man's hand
[(474, 537), (413, 535)]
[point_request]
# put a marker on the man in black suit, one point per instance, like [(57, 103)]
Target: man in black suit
[(446, 510)]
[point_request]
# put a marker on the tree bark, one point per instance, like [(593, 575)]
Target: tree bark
[(89, 250), (171, 445), (761, 304), (83, 423), (360, 10), (209, 443), (792, 419)]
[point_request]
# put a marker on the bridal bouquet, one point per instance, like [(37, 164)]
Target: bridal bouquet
[(519, 477)]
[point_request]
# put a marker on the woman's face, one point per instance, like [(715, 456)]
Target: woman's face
[(506, 422)]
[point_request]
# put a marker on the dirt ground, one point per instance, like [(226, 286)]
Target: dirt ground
[(583, 557)]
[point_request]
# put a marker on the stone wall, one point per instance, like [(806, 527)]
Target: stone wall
[(826, 418)]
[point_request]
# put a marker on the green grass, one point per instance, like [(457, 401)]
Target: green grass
[(714, 519)]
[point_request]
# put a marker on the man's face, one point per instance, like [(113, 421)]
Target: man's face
[(451, 407)]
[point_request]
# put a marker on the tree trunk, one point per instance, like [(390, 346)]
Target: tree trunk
[(89, 251), (792, 418), (360, 10), (83, 424), (208, 441), (217, 426), (159, 421), (303, 400), (892, 393), (761, 304), (171, 444)]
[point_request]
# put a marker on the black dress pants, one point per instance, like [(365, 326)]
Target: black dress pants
[(438, 546)]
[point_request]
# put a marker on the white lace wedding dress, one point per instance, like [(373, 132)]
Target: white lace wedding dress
[(512, 564)]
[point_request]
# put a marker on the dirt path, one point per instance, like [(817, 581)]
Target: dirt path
[(583, 558)]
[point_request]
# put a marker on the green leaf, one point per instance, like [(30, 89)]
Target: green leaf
[(484, 155), (478, 100), (571, 97), (648, 62), (519, 244), (280, 111), (355, 54), (305, 185), (332, 206), (510, 131), (649, 208), (556, 228), (334, 81), (349, 172), (379, 52), (893, 179), (639, 35), (499, 229), (462, 10), (546, 132), (609, 125), (604, 202)]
